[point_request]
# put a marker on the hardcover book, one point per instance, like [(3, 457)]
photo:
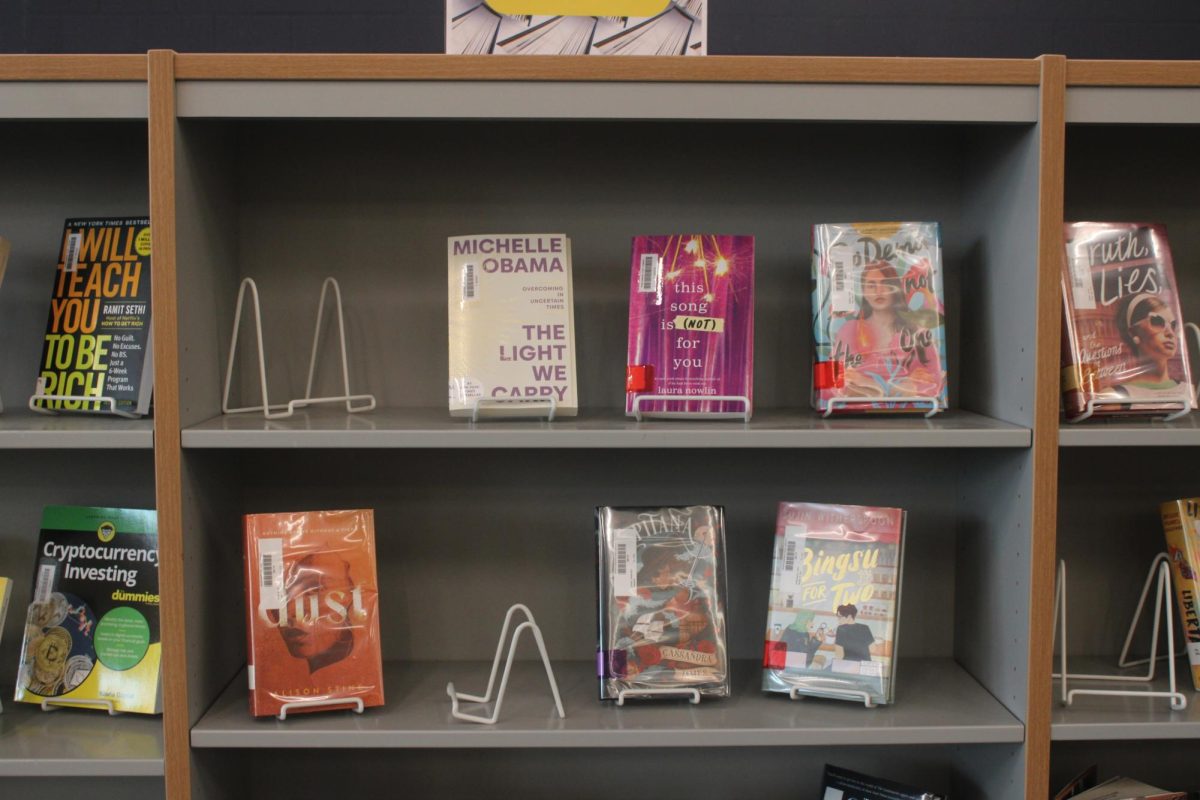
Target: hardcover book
[(1181, 524), (571, 27), (98, 334), (1123, 349), (691, 325), (879, 327), (312, 602), (5, 249), (842, 784), (835, 602), (1128, 789), (92, 626), (661, 591), (512, 325)]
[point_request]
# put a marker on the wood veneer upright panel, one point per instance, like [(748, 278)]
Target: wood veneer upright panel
[(167, 449), (72, 68)]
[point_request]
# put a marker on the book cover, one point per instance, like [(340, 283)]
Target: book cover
[(1181, 524), (691, 324), (5, 249), (98, 333), (842, 784), (312, 606), (6, 585), (1123, 348), (835, 602), (512, 325), (661, 594), (92, 626), (879, 322), (1128, 789), (571, 27)]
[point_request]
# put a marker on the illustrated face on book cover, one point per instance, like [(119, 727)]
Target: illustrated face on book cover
[(326, 608)]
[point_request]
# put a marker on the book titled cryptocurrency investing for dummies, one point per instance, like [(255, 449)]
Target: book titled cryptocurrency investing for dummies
[(91, 630)]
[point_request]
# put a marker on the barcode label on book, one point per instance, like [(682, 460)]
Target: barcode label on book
[(1083, 294), (470, 283), (270, 574), (793, 545), (45, 583), (841, 289), (624, 570), (650, 273), (71, 261)]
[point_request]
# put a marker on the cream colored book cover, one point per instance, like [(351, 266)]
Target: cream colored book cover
[(512, 325)]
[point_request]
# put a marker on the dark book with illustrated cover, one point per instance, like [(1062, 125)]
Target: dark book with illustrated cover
[(662, 588), (98, 334), (1123, 348), (312, 602), (842, 784), (835, 602), (1181, 524), (92, 627)]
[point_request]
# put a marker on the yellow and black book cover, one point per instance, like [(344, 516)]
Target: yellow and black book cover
[(1181, 524), (92, 628), (98, 333)]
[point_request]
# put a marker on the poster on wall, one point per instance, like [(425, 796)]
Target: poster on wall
[(592, 27)]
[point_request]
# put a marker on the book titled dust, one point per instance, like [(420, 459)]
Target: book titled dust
[(1181, 524)]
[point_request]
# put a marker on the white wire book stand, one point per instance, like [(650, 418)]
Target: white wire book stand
[(640, 414), (39, 395), (1161, 568), (355, 403), (935, 406), (509, 407)]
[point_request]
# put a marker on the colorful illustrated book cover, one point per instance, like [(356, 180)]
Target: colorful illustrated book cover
[(879, 322), (577, 27), (842, 784), (6, 585), (312, 602), (1181, 524), (5, 249), (512, 325), (92, 627), (661, 590), (691, 324), (835, 602), (98, 335), (1123, 346)]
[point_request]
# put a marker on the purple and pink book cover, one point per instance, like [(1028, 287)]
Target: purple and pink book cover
[(691, 324)]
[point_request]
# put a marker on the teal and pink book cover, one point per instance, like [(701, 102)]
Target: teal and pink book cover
[(691, 325)]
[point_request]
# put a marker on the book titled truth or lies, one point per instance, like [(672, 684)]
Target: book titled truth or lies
[(842, 784), (661, 593), (835, 602), (98, 334), (879, 332), (312, 606), (1123, 348), (512, 326), (1181, 524), (92, 625), (691, 325)]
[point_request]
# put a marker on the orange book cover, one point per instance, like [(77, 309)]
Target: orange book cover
[(312, 607)]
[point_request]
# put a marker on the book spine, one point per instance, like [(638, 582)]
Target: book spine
[(251, 605), (1180, 520)]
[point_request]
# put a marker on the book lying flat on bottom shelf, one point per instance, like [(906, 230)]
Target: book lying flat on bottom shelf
[(512, 325), (98, 334), (661, 590), (879, 330), (842, 784), (1181, 524), (691, 324), (312, 601), (92, 627), (1128, 789), (835, 602), (1123, 347)]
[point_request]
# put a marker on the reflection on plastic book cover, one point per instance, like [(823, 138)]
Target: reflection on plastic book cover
[(835, 601), (1123, 345), (662, 584), (879, 327)]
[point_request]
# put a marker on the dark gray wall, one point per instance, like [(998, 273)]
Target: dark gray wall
[(1000, 28)]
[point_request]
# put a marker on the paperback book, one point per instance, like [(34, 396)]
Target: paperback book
[(842, 784), (1181, 524), (835, 602), (92, 626), (98, 334), (1128, 789), (1123, 349), (312, 602), (512, 326), (661, 593), (879, 323), (691, 325)]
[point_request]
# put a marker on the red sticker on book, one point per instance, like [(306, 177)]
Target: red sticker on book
[(639, 378), (829, 375), (775, 655)]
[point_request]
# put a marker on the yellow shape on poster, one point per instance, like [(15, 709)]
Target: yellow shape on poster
[(581, 8)]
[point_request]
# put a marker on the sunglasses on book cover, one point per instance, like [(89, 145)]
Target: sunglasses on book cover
[(1158, 322)]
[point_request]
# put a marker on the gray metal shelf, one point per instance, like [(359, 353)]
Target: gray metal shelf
[(76, 100), (937, 703), (25, 430), (1124, 718), (404, 427), (1131, 433), (77, 743)]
